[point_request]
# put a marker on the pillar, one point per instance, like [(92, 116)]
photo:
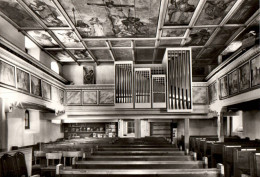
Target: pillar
[(228, 126), (187, 133), (220, 127), (3, 126)]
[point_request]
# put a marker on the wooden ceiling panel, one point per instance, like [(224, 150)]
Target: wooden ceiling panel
[(170, 43), (214, 11), (17, 14), (144, 54), (102, 54), (173, 32), (68, 38), (43, 38), (246, 10), (118, 18), (61, 55), (180, 12), (123, 54), (144, 43), (81, 54), (223, 35), (121, 43), (99, 43), (199, 36), (47, 12)]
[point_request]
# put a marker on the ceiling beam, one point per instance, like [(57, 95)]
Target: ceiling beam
[(110, 50), (117, 39), (71, 24)]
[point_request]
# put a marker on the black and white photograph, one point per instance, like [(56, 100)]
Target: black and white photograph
[(129, 88)]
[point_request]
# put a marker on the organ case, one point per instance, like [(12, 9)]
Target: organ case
[(179, 79)]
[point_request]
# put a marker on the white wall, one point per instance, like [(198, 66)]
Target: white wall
[(251, 124), (40, 130), (104, 73)]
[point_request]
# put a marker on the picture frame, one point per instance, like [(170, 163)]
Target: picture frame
[(223, 81), (233, 82), (88, 75), (23, 80), (200, 95), (244, 77), (255, 71), (46, 90), (7, 74), (36, 86)]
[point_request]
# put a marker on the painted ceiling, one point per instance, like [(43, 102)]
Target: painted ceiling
[(132, 30)]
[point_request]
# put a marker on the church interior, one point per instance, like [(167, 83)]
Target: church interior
[(129, 88)]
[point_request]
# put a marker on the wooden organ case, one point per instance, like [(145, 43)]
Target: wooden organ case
[(124, 84), (179, 80)]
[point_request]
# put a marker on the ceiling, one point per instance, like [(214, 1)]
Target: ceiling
[(132, 30)]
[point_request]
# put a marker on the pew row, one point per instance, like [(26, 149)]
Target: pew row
[(143, 153), (214, 172)]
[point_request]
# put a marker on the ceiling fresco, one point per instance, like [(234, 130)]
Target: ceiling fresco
[(133, 30)]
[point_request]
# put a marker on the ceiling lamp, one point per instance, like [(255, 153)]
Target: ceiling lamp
[(232, 47)]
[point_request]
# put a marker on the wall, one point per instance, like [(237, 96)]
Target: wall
[(104, 73), (11, 34), (198, 127), (40, 130), (251, 124)]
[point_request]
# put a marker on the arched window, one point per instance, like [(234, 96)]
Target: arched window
[(55, 67), (27, 120)]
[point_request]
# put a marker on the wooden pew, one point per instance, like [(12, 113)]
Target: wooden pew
[(137, 149), (142, 153), (141, 164), (241, 159), (140, 158), (254, 164), (214, 172)]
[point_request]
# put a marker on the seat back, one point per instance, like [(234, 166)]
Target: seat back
[(53, 156), (9, 166), (21, 164), (73, 155)]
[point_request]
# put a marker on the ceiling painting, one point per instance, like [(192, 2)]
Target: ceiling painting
[(144, 43), (114, 18), (214, 11), (123, 54), (224, 34), (43, 38), (179, 12), (199, 36), (120, 43), (173, 32), (81, 54), (102, 54), (61, 55), (99, 43), (68, 38), (17, 14), (246, 10), (47, 12), (211, 52)]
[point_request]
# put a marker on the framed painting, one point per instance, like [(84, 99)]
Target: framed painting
[(7, 73), (244, 77), (23, 80), (223, 86), (199, 95), (213, 92), (88, 75), (255, 71), (73, 97), (233, 82), (46, 90), (89, 97), (36, 86)]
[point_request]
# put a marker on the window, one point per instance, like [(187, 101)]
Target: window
[(55, 67), (27, 120), (130, 127)]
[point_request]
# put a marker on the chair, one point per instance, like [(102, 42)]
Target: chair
[(39, 155), (53, 156), (73, 155), (9, 166)]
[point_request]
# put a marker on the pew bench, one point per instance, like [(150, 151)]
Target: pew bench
[(141, 164), (214, 172), (143, 153)]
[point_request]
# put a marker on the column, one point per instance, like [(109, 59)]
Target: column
[(3, 126), (220, 127), (228, 126), (186, 132)]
